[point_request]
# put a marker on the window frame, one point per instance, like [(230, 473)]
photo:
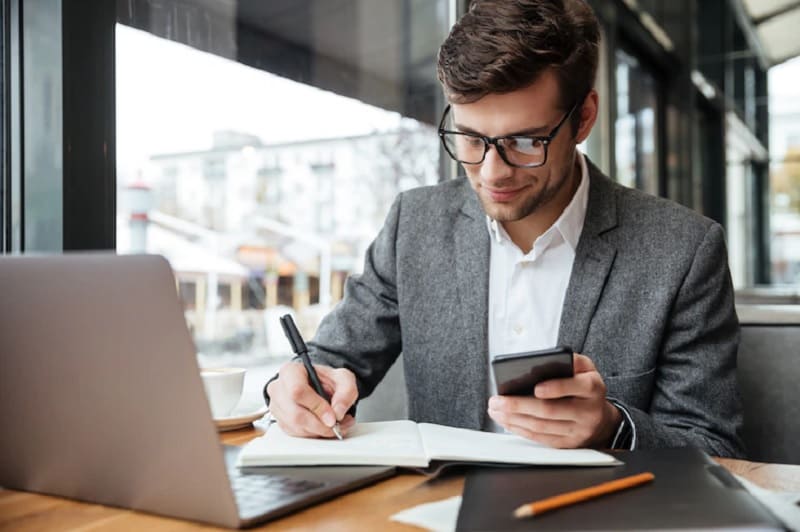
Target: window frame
[(89, 201)]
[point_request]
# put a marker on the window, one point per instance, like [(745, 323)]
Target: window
[(266, 163), (214, 168), (188, 293), (635, 127), (785, 173)]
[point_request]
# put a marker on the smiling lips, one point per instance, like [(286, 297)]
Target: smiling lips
[(503, 195)]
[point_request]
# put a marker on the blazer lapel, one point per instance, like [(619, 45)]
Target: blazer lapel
[(594, 257), (472, 277)]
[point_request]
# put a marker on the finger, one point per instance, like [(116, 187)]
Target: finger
[(297, 406), (299, 422), (303, 433), (324, 377), (558, 442), (301, 394), (582, 363), (587, 382), (553, 388), (327, 386), (553, 427), (345, 391), (585, 385), (556, 388), (347, 423), (562, 408)]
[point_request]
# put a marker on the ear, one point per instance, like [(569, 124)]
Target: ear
[(588, 116)]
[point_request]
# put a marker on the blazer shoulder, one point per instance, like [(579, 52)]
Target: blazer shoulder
[(658, 216), (442, 198)]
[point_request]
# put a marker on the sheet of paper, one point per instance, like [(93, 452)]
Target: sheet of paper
[(782, 504), (383, 443), (440, 516), (450, 443)]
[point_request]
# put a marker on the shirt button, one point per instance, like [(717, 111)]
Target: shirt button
[(518, 329)]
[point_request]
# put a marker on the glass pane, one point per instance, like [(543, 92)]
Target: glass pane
[(738, 209), (784, 144), (635, 126), (260, 149), (42, 109), (596, 144)]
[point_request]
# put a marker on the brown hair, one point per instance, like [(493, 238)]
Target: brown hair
[(500, 46)]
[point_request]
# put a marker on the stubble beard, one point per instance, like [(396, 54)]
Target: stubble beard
[(508, 212)]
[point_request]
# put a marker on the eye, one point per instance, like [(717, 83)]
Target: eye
[(474, 142), (528, 145)]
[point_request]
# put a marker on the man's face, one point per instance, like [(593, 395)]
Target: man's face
[(509, 194)]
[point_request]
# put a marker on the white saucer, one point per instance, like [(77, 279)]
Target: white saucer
[(241, 417)]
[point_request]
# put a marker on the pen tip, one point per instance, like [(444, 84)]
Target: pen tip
[(337, 431)]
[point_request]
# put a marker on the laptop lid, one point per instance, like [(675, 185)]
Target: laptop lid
[(100, 398), (100, 394), (690, 492)]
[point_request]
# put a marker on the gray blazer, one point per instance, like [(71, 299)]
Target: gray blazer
[(649, 300)]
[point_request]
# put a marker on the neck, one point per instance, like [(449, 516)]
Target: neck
[(524, 232)]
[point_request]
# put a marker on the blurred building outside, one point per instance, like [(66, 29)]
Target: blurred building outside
[(254, 231)]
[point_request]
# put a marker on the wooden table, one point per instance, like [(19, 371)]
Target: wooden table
[(366, 509)]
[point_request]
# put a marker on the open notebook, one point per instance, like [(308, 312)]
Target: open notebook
[(409, 444)]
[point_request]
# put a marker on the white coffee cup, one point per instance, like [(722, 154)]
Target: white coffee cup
[(223, 389)]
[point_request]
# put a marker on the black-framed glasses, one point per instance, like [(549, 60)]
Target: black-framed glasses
[(520, 151)]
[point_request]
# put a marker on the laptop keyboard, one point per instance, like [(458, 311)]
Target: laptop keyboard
[(255, 494)]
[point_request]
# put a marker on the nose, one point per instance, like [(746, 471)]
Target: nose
[(494, 167)]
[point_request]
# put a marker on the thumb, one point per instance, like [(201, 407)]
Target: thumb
[(582, 363), (345, 391)]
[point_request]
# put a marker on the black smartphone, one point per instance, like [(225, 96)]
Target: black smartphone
[(519, 373)]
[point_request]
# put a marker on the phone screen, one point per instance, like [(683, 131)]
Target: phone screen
[(519, 373)]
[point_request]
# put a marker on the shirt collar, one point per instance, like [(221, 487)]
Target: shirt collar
[(569, 224)]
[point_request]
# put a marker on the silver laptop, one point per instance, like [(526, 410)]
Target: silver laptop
[(101, 399)]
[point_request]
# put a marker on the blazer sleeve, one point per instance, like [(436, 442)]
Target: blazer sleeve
[(696, 399), (362, 333)]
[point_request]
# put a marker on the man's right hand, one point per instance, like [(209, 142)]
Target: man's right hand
[(300, 411)]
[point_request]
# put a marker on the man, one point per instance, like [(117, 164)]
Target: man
[(536, 247)]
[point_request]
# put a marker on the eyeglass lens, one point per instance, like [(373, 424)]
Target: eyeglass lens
[(470, 149)]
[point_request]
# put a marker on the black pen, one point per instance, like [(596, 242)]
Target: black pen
[(299, 347)]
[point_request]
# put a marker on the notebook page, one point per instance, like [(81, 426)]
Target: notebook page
[(384, 443), (450, 443)]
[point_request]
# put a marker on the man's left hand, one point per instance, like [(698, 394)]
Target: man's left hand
[(563, 413)]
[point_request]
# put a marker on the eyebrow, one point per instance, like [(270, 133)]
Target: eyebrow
[(531, 131)]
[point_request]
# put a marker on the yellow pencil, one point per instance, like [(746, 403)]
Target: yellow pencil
[(565, 499)]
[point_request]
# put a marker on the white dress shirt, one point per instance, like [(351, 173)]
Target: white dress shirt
[(526, 291)]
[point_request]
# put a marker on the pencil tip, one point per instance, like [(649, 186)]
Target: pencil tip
[(523, 511)]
